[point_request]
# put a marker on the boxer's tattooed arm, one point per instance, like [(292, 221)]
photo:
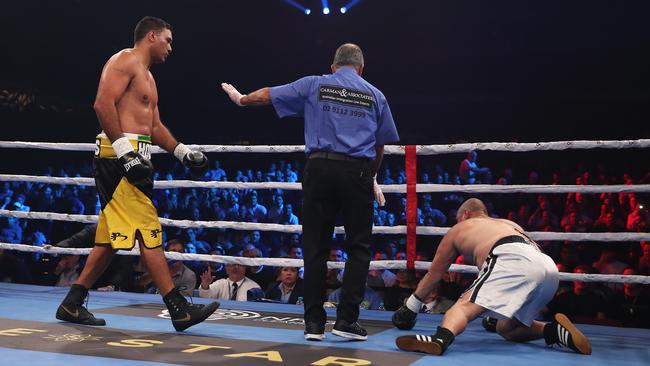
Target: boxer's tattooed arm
[(258, 97)]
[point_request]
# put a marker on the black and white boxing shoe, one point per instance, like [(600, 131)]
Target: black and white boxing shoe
[(434, 344), (314, 331), (563, 332), (420, 343), (352, 331)]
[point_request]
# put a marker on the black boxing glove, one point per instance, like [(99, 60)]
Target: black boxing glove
[(136, 168), (404, 318), (196, 161)]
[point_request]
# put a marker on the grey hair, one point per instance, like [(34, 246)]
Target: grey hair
[(348, 54)]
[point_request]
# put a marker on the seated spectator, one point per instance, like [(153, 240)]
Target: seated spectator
[(216, 173), (574, 222), (469, 172), (182, 277), (609, 224), (633, 307), (10, 230), (378, 278), (288, 218), (262, 275), (277, 210), (644, 260), (256, 211), (289, 289), (200, 246), (405, 284), (235, 287), (371, 300), (67, 270), (584, 304), (334, 277), (638, 220)]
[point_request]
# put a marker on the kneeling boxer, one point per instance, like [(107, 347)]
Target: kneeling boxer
[(515, 282)]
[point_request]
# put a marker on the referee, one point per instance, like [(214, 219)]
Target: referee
[(347, 124)]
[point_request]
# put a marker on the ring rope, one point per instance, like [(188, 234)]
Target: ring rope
[(388, 149), (297, 229), (386, 188), (290, 262)]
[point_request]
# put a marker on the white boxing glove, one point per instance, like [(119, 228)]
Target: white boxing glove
[(379, 195), (233, 93)]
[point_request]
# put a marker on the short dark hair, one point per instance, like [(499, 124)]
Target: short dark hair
[(148, 24), (176, 242), (348, 54)]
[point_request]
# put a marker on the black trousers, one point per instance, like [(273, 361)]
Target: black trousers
[(330, 187)]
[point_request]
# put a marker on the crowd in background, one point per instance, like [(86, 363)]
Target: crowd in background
[(600, 303)]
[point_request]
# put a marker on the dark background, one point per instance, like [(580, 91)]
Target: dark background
[(452, 70)]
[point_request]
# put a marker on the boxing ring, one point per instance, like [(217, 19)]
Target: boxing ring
[(138, 330)]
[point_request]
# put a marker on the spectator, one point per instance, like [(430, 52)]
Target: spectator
[(371, 300), (334, 276), (644, 260), (256, 211), (633, 306), (235, 287), (182, 277), (10, 230), (289, 289), (469, 172), (262, 275), (379, 278), (405, 284), (67, 270), (584, 304)]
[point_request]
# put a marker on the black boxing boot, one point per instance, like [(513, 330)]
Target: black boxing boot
[(72, 310), (184, 314), (562, 331), (435, 344)]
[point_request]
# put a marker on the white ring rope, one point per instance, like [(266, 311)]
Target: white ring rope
[(386, 188), (289, 262), (388, 149), (399, 229)]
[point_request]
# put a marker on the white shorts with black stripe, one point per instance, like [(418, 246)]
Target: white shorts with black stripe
[(516, 281)]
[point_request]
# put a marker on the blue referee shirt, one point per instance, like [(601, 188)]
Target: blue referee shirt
[(343, 112)]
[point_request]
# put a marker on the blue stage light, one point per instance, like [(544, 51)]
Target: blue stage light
[(343, 9), (307, 11), (326, 11)]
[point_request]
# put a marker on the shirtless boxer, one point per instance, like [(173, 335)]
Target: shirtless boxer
[(127, 109), (515, 282)]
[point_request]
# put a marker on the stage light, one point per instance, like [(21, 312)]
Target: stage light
[(326, 6), (307, 11), (345, 8)]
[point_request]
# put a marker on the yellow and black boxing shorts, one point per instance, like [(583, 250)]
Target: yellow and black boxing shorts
[(127, 211)]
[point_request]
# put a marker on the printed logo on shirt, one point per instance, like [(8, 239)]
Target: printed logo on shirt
[(351, 97)]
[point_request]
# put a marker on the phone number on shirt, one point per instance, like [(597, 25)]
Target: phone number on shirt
[(344, 111)]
